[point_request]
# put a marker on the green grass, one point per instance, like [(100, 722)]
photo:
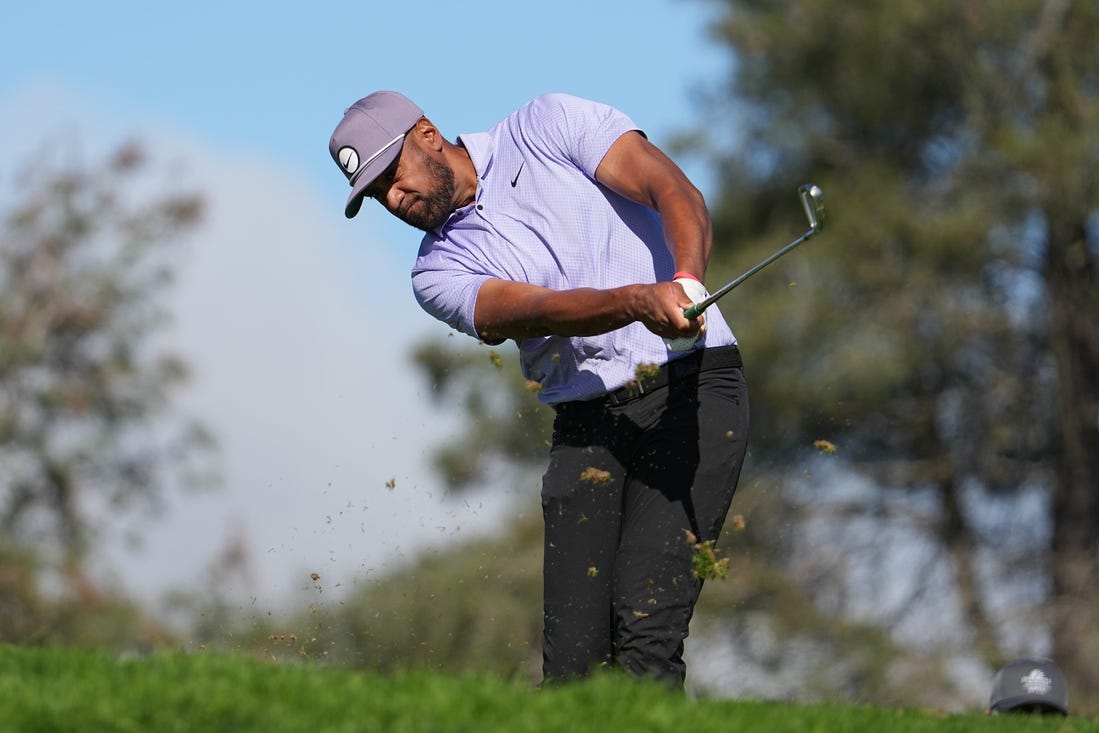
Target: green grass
[(55, 689)]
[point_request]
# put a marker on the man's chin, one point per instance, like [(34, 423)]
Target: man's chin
[(416, 224), (424, 223)]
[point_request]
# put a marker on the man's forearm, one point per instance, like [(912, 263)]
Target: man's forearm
[(517, 310), (687, 230), (506, 310)]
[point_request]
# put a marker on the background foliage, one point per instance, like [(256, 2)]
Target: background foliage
[(942, 334), (87, 425)]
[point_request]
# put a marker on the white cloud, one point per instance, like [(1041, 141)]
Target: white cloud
[(298, 327)]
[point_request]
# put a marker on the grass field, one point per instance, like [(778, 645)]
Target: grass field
[(54, 689)]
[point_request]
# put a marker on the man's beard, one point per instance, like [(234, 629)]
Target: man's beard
[(434, 208)]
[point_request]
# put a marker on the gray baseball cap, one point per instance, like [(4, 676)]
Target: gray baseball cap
[(1032, 683), (369, 138)]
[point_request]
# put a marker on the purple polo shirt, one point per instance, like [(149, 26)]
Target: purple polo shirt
[(540, 217)]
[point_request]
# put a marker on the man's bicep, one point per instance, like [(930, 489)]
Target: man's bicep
[(635, 168)]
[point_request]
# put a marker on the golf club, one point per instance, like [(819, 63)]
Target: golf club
[(812, 200)]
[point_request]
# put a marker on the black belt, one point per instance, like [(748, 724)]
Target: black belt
[(651, 380)]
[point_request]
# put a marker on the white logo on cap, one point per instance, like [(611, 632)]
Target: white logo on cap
[(1035, 682), (349, 159)]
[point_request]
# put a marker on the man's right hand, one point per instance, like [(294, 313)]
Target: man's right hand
[(666, 317), (696, 291)]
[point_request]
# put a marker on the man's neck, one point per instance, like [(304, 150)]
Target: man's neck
[(465, 174)]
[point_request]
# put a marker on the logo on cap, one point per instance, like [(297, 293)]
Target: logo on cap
[(1036, 682), (349, 159)]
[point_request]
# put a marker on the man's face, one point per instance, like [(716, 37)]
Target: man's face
[(417, 188)]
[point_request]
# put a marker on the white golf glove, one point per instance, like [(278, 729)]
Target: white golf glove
[(696, 291)]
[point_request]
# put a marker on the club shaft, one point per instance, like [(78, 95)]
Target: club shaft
[(695, 310)]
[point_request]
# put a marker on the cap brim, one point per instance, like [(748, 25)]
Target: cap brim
[(353, 205), (368, 175), (1011, 703)]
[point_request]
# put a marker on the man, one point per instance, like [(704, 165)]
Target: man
[(565, 229)]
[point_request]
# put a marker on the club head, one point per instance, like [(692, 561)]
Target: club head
[(812, 200)]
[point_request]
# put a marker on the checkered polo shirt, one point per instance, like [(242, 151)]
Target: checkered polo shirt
[(540, 217)]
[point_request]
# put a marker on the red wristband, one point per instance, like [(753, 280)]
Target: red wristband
[(686, 275)]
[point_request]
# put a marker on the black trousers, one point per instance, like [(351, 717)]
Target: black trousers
[(628, 477)]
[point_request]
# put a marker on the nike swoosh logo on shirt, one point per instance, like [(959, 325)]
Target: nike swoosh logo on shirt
[(516, 179)]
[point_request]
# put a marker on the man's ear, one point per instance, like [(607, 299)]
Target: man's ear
[(428, 134)]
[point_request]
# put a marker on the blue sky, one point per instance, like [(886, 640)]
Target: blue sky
[(297, 321), (273, 78)]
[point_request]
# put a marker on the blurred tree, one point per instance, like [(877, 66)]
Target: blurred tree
[(945, 333), (476, 608), (507, 430), (85, 429), (31, 612)]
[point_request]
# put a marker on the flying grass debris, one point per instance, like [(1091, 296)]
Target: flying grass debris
[(705, 564), (738, 522), (646, 371), (825, 446), (533, 386), (496, 360), (642, 372), (391, 483), (594, 475)]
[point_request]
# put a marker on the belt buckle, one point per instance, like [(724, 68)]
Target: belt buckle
[(624, 394), (634, 388)]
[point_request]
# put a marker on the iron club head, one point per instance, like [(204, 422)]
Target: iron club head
[(812, 200)]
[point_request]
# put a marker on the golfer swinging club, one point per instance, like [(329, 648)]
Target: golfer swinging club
[(565, 229)]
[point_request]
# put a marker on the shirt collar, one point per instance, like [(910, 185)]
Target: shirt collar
[(481, 149)]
